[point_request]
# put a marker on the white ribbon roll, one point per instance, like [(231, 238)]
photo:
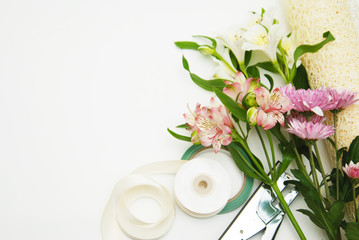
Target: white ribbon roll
[(202, 189), (117, 217)]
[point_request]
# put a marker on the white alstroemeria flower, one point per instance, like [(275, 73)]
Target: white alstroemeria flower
[(289, 44), (234, 41), (223, 71), (264, 39)]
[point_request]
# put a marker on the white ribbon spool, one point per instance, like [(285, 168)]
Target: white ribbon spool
[(202, 189)]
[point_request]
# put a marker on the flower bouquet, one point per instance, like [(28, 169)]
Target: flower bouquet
[(289, 118)]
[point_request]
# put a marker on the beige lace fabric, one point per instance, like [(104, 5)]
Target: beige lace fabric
[(336, 64)]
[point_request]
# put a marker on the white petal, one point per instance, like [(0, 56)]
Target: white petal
[(317, 110)]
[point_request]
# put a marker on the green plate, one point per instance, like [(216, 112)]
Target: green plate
[(243, 194)]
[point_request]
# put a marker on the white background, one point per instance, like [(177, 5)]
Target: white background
[(87, 91)]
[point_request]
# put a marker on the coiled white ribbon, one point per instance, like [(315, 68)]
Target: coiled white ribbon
[(202, 189)]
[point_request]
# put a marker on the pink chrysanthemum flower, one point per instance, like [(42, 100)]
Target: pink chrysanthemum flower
[(315, 129), (341, 99), (308, 100), (239, 88), (352, 170), (211, 125), (271, 107)]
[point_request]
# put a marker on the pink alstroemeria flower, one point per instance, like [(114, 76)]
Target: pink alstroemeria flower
[(308, 100), (212, 124), (239, 88), (315, 129), (271, 107), (341, 99), (352, 170)]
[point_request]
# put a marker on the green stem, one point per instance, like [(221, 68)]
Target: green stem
[(240, 128), (322, 171), (248, 164), (299, 161), (312, 166), (265, 150), (354, 202), (285, 63), (219, 57), (243, 69), (336, 152), (276, 65), (271, 146), (288, 211), (254, 160)]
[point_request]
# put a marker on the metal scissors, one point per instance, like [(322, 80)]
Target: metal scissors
[(260, 213)]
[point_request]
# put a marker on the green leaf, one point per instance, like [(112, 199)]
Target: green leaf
[(316, 220), (178, 136), (187, 45), (185, 63), (205, 84), (330, 220), (270, 80), (246, 164), (345, 158), (182, 126), (303, 149), (267, 66), (331, 142), (241, 159), (302, 49), (278, 134), (300, 80), (288, 156), (336, 212), (352, 231), (353, 152), (247, 57), (233, 60), (214, 42), (345, 189), (253, 72), (341, 152), (232, 106)]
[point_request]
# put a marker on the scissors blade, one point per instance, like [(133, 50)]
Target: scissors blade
[(251, 219), (272, 227), (247, 223)]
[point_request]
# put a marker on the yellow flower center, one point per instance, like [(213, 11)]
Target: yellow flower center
[(286, 45), (235, 38), (205, 124), (275, 97), (262, 40)]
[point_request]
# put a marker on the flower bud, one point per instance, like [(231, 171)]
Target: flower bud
[(252, 116), (195, 138), (205, 50), (254, 84), (249, 100)]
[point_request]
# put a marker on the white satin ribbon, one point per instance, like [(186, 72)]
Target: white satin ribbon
[(202, 189)]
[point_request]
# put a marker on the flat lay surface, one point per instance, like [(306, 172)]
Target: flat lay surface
[(88, 89)]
